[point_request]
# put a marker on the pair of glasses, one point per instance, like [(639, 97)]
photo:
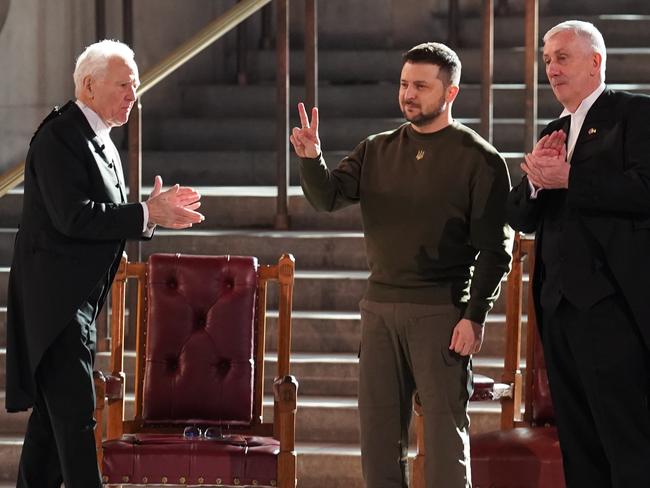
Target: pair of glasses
[(194, 432)]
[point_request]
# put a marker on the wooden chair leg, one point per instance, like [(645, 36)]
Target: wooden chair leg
[(285, 393), (100, 402), (417, 478)]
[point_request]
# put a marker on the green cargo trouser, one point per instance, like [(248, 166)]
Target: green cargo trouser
[(404, 348)]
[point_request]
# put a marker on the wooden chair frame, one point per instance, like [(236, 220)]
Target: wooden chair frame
[(110, 388)]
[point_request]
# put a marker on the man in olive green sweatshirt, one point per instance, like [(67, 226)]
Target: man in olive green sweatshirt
[(433, 201)]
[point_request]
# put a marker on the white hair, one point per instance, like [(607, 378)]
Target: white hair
[(586, 31), (94, 60)]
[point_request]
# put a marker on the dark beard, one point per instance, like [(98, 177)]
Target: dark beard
[(427, 117)]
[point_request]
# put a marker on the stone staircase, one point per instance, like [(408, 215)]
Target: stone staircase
[(222, 142)]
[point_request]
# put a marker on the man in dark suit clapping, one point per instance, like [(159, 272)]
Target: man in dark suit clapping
[(75, 221), (586, 194)]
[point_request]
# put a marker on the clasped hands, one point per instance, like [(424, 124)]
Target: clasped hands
[(174, 208), (546, 167)]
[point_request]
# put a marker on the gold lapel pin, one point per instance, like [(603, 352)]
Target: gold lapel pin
[(420, 154), (592, 131)]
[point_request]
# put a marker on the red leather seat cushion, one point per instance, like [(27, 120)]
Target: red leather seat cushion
[(200, 325), (171, 459), (518, 458)]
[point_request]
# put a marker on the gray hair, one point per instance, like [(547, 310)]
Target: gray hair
[(586, 31), (94, 60)]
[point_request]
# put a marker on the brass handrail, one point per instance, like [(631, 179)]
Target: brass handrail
[(206, 36), (12, 178)]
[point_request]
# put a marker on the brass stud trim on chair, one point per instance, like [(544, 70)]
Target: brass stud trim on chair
[(218, 481), (145, 480), (164, 480), (272, 483), (105, 479), (125, 479), (235, 481), (182, 480), (200, 480), (254, 482)]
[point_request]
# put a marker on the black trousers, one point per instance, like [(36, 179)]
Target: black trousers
[(59, 443), (599, 374)]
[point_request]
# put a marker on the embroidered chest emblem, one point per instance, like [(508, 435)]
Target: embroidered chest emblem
[(420, 154)]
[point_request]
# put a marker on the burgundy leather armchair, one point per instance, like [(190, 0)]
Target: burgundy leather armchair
[(199, 370)]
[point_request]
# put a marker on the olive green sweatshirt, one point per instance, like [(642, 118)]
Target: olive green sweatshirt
[(434, 214)]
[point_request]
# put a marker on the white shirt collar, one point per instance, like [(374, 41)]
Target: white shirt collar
[(586, 104), (95, 121)]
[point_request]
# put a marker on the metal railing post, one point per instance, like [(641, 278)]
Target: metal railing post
[(452, 24), (266, 35), (100, 19), (242, 53), (532, 47), (135, 166), (487, 71), (282, 114), (134, 248), (311, 53)]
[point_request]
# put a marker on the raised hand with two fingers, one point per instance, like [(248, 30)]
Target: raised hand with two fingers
[(305, 139)]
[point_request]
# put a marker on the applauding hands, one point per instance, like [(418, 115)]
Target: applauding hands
[(546, 167), (305, 139), (174, 208)]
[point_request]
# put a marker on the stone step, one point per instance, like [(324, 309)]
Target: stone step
[(340, 332), (619, 30), (312, 249), (185, 134), (226, 207), (10, 447), (624, 65), (337, 374), (578, 8), (369, 99), (339, 291)]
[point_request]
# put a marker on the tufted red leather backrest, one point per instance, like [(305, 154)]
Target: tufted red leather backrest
[(199, 347)]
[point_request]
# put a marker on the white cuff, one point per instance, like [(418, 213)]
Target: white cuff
[(533, 191), (147, 231)]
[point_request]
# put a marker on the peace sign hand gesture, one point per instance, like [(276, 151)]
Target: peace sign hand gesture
[(305, 140)]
